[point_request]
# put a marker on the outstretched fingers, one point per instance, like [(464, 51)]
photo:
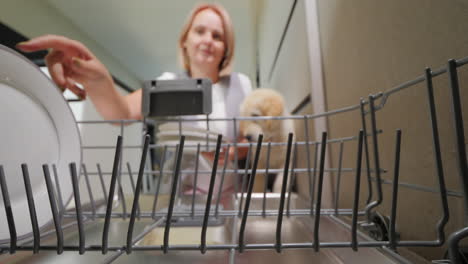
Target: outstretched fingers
[(54, 61), (68, 46)]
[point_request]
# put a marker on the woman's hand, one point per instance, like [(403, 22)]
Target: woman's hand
[(70, 62), (231, 156), (241, 151)]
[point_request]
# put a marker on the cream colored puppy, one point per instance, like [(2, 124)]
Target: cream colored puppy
[(267, 102)]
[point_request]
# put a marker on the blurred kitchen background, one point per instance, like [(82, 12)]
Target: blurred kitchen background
[(320, 54)]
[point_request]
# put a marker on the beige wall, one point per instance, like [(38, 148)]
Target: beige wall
[(271, 19), (35, 18), (370, 46), (244, 20)]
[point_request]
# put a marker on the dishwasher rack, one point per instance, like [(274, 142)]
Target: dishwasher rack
[(83, 214)]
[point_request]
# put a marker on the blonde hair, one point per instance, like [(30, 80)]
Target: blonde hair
[(226, 62)]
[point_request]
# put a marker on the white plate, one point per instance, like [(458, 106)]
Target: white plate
[(37, 127), (169, 134)]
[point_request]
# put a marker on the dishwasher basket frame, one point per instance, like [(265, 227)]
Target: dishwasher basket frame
[(81, 215)]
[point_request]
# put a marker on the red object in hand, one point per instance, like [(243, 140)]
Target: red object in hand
[(241, 154), (241, 151)]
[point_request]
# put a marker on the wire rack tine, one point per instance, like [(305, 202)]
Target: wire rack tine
[(53, 207), (357, 186), (437, 158), (396, 171), (170, 209), (244, 177), (137, 195), (307, 148), (210, 195), (79, 215), (457, 114), (32, 208), (249, 193), (59, 191), (314, 180), (8, 211), (120, 193), (376, 160), (279, 221), (366, 152), (461, 156), (115, 168), (318, 203)]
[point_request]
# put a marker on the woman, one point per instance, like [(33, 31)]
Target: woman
[(206, 48)]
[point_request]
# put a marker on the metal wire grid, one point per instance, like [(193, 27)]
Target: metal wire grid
[(315, 174)]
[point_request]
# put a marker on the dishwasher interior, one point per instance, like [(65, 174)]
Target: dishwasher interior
[(104, 223)]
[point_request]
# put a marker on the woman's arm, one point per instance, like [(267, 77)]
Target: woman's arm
[(70, 62)]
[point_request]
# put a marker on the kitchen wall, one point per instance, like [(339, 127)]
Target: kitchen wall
[(35, 18), (370, 46)]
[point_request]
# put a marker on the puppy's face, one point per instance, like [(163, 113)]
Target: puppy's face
[(261, 102)]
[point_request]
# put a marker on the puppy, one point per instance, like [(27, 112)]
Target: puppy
[(267, 102)]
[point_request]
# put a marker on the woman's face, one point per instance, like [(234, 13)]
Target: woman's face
[(205, 41)]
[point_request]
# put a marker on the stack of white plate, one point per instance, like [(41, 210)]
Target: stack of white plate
[(169, 135)]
